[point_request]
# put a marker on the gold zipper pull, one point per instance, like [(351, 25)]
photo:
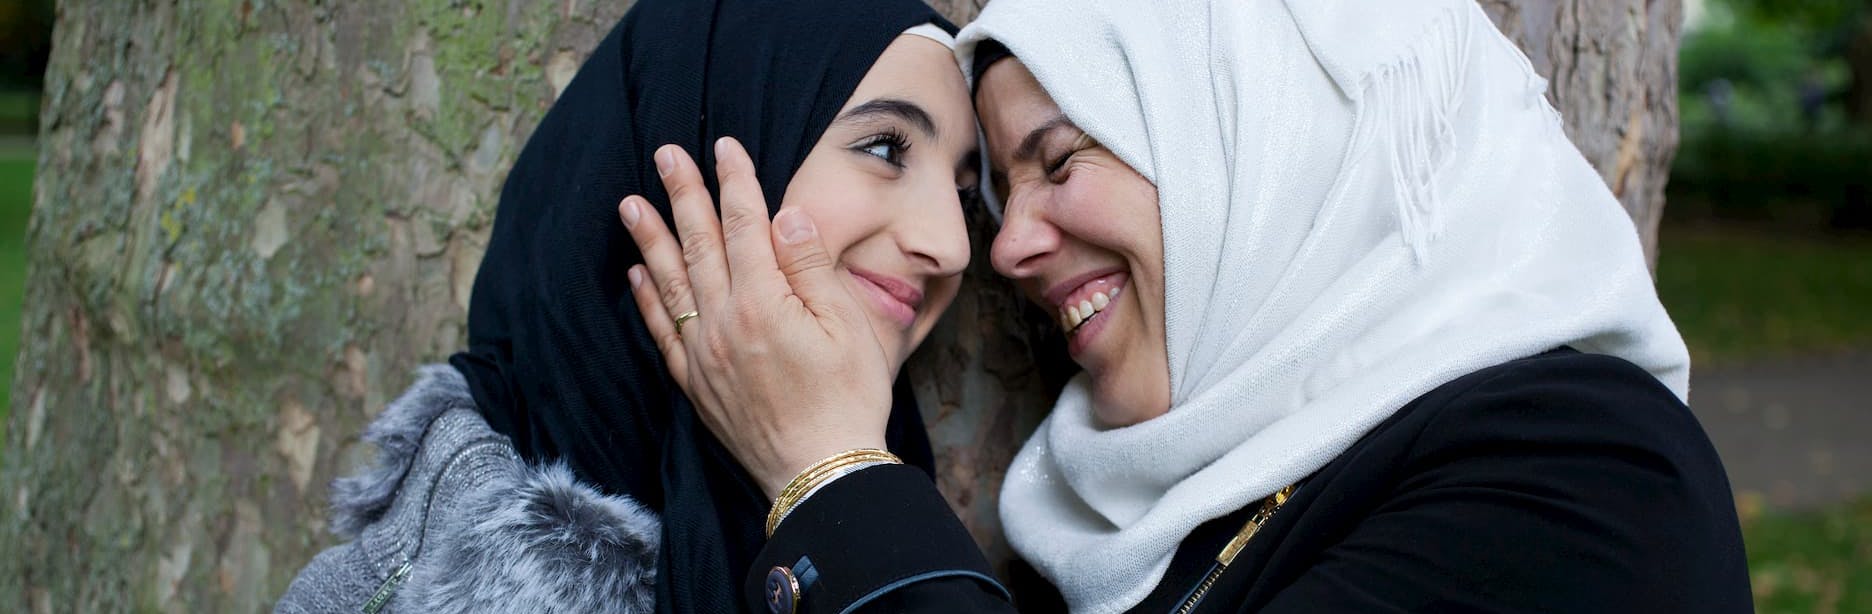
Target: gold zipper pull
[(1235, 545), (1268, 506)]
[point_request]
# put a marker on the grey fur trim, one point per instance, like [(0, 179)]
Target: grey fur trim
[(362, 499), (480, 529), (545, 543)]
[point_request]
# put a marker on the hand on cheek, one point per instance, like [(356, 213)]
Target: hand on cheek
[(779, 359)]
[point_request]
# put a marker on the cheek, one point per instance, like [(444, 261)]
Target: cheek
[(842, 215), (1111, 210)]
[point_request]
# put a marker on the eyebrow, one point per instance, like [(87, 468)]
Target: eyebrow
[(1030, 145), (902, 109)]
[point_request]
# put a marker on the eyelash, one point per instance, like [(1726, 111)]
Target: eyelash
[(1058, 163), (899, 145), (896, 143), (1053, 168)]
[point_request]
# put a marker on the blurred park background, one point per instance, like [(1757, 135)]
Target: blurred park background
[(1765, 262)]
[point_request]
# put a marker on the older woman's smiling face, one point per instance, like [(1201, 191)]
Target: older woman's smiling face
[(1082, 238)]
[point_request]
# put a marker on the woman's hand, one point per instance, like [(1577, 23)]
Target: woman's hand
[(780, 361)]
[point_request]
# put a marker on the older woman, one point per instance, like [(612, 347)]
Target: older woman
[(1361, 331)]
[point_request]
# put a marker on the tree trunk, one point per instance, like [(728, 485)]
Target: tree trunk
[(1611, 66), (253, 219)]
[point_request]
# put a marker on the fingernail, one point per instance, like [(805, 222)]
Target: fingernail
[(636, 276), (721, 148), (665, 160), (795, 227), (631, 212)]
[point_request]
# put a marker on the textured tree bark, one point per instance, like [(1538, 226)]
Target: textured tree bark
[(253, 219), (1611, 67)]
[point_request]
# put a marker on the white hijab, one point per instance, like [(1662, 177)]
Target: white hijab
[(1361, 200)]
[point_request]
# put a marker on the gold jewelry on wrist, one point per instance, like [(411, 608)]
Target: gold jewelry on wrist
[(818, 475)]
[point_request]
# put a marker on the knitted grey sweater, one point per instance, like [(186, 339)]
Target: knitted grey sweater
[(451, 520)]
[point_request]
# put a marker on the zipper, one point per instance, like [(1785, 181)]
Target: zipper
[(388, 589), (1234, 547)]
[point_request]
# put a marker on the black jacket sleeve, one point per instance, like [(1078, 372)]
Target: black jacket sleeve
[(878, 540), (1574, 487)]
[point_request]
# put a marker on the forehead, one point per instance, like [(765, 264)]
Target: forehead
[(924, 72), (1011, 103)]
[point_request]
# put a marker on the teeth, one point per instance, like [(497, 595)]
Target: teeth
[(1074, 315)]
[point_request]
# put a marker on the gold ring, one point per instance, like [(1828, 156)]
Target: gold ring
[(685, 317)]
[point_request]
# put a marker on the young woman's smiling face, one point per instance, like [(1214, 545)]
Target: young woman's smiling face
[(1082, 238), (883, 186)]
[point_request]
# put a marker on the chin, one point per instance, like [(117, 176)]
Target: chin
[(1118, 404)]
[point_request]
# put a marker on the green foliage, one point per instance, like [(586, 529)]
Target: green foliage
[(1750, 55), (1748, 294), (1815, 561), (1787, 177), (25, 42), (1749, 149), (1768, 60), (1811, 15)]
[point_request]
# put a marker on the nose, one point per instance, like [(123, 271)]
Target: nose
[(1025, 240), (936, 235)]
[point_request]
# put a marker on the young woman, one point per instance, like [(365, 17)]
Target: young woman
[(1361, 332), (554, 467)]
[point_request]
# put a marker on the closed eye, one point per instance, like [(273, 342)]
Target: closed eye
[(1058, 163), (1084, 142)]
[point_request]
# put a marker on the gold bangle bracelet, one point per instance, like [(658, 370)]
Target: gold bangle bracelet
[(813, 475), (810, 479), (818, 474)]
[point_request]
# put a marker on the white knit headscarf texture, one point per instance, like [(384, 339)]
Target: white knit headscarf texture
[(1361, 201)]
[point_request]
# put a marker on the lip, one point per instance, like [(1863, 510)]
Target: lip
[(1057, 294), (896, 298)]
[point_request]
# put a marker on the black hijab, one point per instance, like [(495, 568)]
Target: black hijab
[(558, 357)]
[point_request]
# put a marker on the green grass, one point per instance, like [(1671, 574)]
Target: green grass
[(1816, 561), (16, 176), (1742, 294)]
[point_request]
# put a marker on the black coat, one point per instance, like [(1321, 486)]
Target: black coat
[(1565, 482)]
